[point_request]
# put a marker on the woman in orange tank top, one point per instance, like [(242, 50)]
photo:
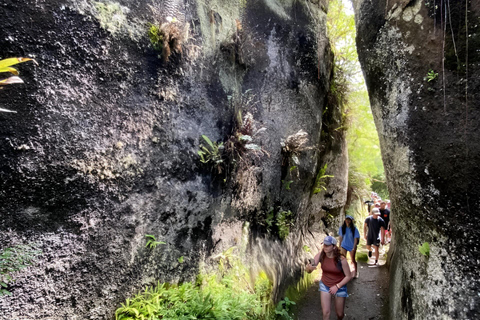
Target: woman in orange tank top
[(335, 275)]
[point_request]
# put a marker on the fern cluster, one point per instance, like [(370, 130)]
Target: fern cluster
[(278, 221), (12, 260), (320, 182), (210, 299)]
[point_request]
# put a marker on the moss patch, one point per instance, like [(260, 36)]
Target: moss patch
[(361, 256), (111, 16)]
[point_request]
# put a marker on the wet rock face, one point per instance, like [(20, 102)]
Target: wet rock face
[(422, 91), (103, 147)]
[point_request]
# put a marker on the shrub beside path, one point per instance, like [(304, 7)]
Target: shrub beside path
[(368, 294)]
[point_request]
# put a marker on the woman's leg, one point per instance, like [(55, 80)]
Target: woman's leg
[(339, 307), (352, 255), (326, 299)]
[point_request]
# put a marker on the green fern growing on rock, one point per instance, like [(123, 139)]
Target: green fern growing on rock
[(319, 185), (425, 249), (211, 154), (12, 260), (152, 243)]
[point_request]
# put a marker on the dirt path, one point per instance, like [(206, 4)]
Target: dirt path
[(368, 294)]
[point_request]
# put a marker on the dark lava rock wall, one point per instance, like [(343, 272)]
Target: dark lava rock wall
[(422, 70), (103, 148)]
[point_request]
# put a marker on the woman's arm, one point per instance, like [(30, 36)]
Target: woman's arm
[(310, 268)]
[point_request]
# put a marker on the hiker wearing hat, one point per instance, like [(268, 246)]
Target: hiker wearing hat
[(385, 214), (335, 276), (349, 238), (376, 232)]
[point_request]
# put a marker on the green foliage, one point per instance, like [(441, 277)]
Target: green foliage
[(283, 309), (362, 139), (6, 66), (239, 147), (181, 259), (211, 296), (284, 222), (278, 221), (263, 289), (307, 248), (425, 249), (211, 154), (152, 242), (212, 299), (379, 185), (286, 184), (12, 260), (320, 182), (156, 37), (431, 76), (166, 38), (361, 256)]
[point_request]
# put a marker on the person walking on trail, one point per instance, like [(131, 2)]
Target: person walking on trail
[(385, 214), (349, 238), (376, 232), (335, 276)]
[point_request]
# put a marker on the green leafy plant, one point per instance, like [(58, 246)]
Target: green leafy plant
[(14, 259), (211, 154), (425, 249), (241, 143), (431, 76), (319, 185), (211, 296), (286, 184), (284, 222), (379, 185), (6, 66), (263, 290), (166, 38), (283, 308), (278, 221), (306, 248), (152, 243), (181, 259)]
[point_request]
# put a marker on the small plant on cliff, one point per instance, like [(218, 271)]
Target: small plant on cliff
[(152, 243), (240, 144), (12, 260), (431, 76), (211, 154), (279, 221), (286, 184), (166, 38), (6, 66), (319, 185), (284, 222), (425, 249)]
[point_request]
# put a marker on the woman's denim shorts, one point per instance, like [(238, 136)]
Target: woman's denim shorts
[(342, 292)]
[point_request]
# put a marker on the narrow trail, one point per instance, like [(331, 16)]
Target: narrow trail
[(368, 294)]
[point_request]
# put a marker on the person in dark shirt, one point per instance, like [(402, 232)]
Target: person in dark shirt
[(376, 232), (369, 203), (385, 215)]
